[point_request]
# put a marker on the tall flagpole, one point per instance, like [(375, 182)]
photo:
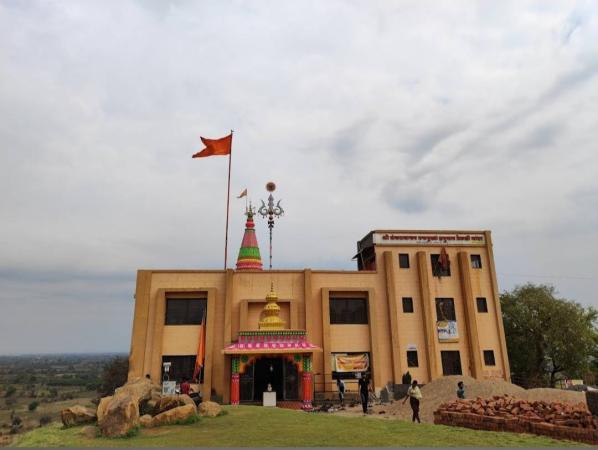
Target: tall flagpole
[(230, 157)]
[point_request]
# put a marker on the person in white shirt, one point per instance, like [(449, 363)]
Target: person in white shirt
[(414, 395)]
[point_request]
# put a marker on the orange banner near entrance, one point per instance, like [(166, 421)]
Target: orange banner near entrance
[(351, 363)]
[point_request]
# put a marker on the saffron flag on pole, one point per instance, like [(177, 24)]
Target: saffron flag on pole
[(243, 194), (214, 147), (201, 349)]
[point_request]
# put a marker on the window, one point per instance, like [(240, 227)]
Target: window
[(476, 261), (437, 269), (482, 304), (181, 367), (348, 311), (407, 305), (412, 358), (489, 358), (451, 363), (404, 260), (445, 309), (185, 311)]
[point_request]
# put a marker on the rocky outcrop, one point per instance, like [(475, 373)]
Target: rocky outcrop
[(209, 409), (145, 420), (172, 401), (101, 411), (174, 415), (139, 389), (121, 414), (77, 415)]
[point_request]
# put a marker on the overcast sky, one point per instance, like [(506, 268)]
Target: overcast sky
[(466, 115)]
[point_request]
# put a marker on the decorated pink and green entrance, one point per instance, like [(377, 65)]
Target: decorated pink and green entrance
[(281, 358)]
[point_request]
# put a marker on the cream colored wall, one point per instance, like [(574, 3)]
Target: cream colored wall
[(180, 340), (349, 338), (488, 332), (411, 330)]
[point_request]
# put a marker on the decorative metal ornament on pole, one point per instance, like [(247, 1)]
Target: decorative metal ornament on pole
[(271, 211)]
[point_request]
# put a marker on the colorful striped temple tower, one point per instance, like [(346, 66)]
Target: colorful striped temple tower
[(249, 254)]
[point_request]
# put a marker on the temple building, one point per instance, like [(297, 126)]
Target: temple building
[(423, 302)]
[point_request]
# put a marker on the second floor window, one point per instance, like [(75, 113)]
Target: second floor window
[(445, 309), (185, 311), (482, 304), (348, 311), (404, 260), (476, 261), (407, 304), (440, 267)]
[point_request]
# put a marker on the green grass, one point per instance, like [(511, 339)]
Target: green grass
[(250, 426)]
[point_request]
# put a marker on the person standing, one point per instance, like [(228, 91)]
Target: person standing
[(414, 395), (460, 390), (364, 389), (340, 384)]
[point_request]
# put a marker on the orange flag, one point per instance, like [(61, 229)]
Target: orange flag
[(201, 348), (220, 146)]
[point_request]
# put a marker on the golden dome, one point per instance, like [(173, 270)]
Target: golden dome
[(271, 313)]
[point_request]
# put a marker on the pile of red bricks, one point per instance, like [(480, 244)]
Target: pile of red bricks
[(506, 413)]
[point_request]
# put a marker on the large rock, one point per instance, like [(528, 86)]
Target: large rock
[(145, 420), (172, 401), (173, 415), (120, 415), (77, 415), (101, 411), (209, 409), (139, 389)]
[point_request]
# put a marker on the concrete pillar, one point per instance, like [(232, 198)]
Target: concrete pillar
[(390, 267), (470, 315), (430, 332)]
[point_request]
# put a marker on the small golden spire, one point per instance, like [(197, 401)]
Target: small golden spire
[(271, 312)]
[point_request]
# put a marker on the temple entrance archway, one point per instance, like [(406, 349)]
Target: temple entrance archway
[(281, 373)]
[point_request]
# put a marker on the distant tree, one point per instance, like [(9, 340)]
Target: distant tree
[(114, 375), (33, 405), (10, 391), (547, 337)]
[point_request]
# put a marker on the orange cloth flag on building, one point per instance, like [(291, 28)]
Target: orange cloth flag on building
[(201, 349), (220, 146)]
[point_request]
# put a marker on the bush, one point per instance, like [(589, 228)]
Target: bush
[(114, 375), (10, 391), (33, 405), (44, 420)]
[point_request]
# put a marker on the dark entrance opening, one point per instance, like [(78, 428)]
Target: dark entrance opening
[(451, 363), (279, 372), (268, 370)]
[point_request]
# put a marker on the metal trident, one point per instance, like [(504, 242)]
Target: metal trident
[(271, 211)]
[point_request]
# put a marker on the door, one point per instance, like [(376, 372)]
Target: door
[(451, 363)]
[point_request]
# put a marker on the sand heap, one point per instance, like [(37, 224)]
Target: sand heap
[(444, 390)]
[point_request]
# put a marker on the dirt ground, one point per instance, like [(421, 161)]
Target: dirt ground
[(444, 389)]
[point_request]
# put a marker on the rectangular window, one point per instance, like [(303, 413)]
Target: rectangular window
[(407, 305), (476, 261), (451, 363), (437, 269), (482, 304), (412, 358), (181, 367), (404, 260), (445, 309), (348, 311), (489, 358), (185, 311)]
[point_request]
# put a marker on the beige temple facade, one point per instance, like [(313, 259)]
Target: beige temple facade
[(423, 302)]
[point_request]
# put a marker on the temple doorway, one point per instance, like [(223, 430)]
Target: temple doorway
[(279, 372)]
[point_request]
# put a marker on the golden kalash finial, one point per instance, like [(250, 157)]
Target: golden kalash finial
[(271, 320)]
